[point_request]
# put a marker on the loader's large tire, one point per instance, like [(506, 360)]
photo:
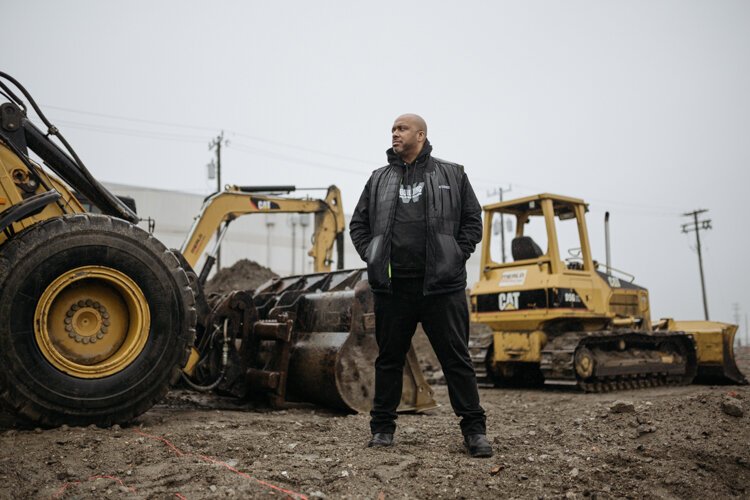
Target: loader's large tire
[(96, 321)]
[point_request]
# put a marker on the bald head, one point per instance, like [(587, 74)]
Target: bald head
[(408, 135), (416, 120)]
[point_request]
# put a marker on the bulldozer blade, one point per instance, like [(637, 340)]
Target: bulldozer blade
[(714, 343), (332, 361)]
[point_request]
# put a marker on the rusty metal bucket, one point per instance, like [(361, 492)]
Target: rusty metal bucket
[(333, 347)]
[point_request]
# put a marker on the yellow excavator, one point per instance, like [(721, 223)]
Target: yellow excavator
[(98, 318), (221, 208), (569, 320)]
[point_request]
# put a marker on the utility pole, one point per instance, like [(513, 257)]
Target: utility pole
[(269, 228), (303, 223), (696, 226), (293, 221), (736, 309), (216, 144), (500, 191)]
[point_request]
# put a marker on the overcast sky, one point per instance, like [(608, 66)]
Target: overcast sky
[(640, 107)]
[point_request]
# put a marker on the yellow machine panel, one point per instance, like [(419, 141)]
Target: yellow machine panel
[(514, 346)]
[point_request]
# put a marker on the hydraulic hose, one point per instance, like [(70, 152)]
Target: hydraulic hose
[(224, 361)]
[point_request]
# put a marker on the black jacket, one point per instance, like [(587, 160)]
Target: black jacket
[(409, 228), (454, 225)]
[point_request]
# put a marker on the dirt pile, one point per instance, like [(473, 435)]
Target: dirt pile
[(242, 275)]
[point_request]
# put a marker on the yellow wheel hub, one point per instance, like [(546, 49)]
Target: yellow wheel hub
[(92, 322)]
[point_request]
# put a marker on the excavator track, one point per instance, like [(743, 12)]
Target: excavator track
[(604, 361)]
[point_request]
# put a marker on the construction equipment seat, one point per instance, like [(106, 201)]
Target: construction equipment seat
[(523, 247)]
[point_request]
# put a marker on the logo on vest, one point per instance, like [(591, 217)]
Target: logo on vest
[(411, 193)]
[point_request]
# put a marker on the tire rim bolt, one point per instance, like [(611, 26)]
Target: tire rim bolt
[(99, 309)]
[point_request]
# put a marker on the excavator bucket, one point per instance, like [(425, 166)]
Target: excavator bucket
[(714, 343), (333, 346)]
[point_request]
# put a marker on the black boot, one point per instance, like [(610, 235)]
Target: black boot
[(478, 446), (380, 439)]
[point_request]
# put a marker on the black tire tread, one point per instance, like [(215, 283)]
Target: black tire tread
[(21, 244)]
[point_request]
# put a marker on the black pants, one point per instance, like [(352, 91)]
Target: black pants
[(445, 319)]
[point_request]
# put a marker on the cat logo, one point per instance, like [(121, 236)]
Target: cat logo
[(264, 205), (508, 301)]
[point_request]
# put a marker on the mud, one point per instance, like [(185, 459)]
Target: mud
[(242, 275), (654, 443)]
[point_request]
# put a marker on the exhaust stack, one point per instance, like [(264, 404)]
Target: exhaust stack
[(606, 242)]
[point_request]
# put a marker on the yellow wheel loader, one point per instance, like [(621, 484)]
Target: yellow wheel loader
[(568, 320), (96, 315), (98, 319)]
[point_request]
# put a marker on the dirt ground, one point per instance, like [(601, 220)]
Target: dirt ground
[(663, 443)]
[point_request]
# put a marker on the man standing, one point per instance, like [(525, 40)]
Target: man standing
[(416, 224)]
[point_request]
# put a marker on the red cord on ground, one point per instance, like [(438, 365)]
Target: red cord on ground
[(163, 440), (66, 485), (178, 452)]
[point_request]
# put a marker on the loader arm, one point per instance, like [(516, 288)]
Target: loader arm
[(19, 134), (235, 201)]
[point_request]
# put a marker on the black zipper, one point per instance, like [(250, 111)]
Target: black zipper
[(388, 231)]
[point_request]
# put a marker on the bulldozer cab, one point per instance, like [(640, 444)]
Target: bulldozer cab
[(537, 221), (550, 274)]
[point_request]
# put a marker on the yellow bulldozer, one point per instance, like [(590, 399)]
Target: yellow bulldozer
[(98, 319), (569, 320)]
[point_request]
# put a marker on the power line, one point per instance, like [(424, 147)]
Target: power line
[(648, 209), (290, 159), (129, 119), (301, 148), (168, 136), (195, 127), (243, 148), (131, 132)]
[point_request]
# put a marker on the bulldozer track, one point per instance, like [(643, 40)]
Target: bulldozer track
[(620, 360), (479, 346), (624, 384)]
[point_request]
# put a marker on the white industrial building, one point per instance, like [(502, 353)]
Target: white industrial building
[(277, 241)]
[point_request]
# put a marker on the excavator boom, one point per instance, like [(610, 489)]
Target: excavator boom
[(220, 209)]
